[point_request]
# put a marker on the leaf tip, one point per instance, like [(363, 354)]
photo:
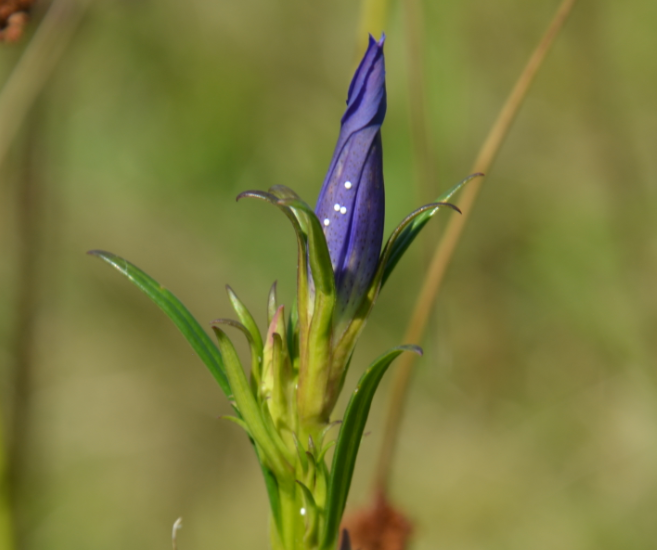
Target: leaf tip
[(453, 207), (415, 349)]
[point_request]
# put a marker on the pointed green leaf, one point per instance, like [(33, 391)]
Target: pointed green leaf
[(284, 192), (320, 259), (313, 374), (348, 442), (268, 441), (301, 454), (311, 515), (177, 312), (303, 290), (403, 235), (397, 244), (413, 224), (272, 492), (246, 318), (256, 354), (272, 303)]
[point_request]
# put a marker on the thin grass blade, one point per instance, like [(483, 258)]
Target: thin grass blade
[(348, 441)]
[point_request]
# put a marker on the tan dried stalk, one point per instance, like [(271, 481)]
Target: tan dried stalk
[(445, 249)]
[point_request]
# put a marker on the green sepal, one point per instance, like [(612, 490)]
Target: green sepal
[(311, 516), (302, 239), (278, 376), (321, 482), (398, 242), (274, 450), (246, 319), (348, 442), (324, 450), (293, 336), (177, 312), (311, 445), (303, 292), (412, 225), (283, 394), (315, 365), (311, 474), (274, 496), (319, 256), (272, 303), (256, 354), (301, 453), (283, 192)]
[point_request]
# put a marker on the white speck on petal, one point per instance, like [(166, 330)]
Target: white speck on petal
[(303, 511), (326, 221), (347, 185), (343, 210), (336, 207)]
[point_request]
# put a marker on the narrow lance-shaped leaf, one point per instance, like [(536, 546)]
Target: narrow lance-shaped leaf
[(177, 312), (313, 371), (272, 303), (246, 319), (348, 442), (198, 339), (346, 341), (255, 353), (403, 240), (303, 291), (311, 516), (273, 449)]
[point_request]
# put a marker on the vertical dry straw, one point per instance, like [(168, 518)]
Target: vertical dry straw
[(34, 67), (17, 98), (446, 246)]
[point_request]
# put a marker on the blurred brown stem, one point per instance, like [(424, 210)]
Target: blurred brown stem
[(29, 212), (445, 249), (17, 99), (35, 66)]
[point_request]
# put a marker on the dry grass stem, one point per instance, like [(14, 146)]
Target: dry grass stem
[(447, 245), (35, 66)]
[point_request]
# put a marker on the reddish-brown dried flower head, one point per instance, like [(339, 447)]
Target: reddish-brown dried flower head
[(13, 18)]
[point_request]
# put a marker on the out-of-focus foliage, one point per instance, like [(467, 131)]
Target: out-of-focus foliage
[(533, 419)]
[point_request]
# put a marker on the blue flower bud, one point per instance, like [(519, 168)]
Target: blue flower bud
[(351, 203)]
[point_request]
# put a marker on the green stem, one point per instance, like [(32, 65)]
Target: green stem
[(293, 523)]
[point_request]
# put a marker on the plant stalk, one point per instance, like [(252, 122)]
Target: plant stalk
[(445, 248), (34, 67), (30, 230)]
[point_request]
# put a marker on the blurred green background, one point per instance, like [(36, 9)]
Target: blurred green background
[(532, 420)]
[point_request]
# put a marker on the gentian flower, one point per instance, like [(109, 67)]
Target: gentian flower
[(298, 369), (351, 202)]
